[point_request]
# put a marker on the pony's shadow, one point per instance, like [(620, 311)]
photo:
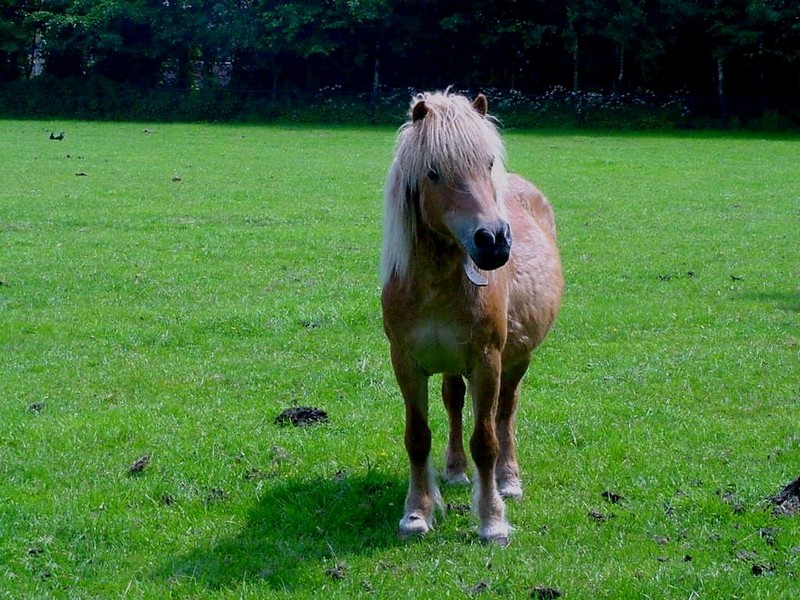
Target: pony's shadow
[(296, 527), (786, 301)]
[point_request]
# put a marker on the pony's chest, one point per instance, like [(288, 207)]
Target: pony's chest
[(438, 345)]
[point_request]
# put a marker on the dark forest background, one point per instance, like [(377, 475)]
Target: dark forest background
[(641, 62)]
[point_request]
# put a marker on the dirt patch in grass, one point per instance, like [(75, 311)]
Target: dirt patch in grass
[(214, 496), (138, 466), (600, 517), (787, 502), (301, 416), (543, 592), (479, 588), (337, 572), (613, 497)]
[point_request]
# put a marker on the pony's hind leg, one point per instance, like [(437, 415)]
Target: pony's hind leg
[(507, 469), (453, 391)]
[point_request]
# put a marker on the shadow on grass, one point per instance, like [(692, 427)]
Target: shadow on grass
[(786, 301), (299, 530)]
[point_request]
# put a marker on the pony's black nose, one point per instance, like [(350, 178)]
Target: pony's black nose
[(492, 246), (488, 239), (484, 239)]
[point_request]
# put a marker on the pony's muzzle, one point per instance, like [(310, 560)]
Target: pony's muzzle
[(491, 247)]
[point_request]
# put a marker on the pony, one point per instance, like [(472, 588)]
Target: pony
[(471, 284)]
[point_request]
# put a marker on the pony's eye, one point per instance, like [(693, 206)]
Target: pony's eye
[(434, 176), (491, 164)]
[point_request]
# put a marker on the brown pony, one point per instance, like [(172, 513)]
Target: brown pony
[(459, 298)]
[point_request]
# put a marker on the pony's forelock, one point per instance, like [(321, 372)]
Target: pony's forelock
[(453, 138)]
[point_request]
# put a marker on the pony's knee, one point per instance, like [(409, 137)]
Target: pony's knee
[(484, 447), (418, 444)]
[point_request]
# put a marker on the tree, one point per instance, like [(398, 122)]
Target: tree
[(788, 40), (582, 20), (772, 28), (17, 38), (723, 50), (510, 34), (625, 26)]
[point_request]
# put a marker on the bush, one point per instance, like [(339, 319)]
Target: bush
[(98, 98), (560, 107)]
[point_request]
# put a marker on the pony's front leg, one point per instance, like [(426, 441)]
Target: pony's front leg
[(455, 469), (507, 469), (423, 495), (485, 386)]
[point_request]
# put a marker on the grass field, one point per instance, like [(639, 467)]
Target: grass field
[(167, 290)]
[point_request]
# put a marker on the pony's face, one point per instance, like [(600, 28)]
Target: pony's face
[(466, 208), (460, 192)]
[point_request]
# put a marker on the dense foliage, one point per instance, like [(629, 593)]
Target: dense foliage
[(724, 58)]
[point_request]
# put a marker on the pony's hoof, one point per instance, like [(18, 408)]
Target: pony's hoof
[(501, 541), (414, 524), (455, 478), (497, 534), (510, 488)]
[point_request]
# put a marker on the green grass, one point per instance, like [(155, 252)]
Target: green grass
[(142, 314)]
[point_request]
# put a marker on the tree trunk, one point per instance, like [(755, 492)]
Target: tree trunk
[(762, 88), (310, 82), (621, 71), (723, 101), (30, 63), (275, 76), (513, 73), (376, 74), (575, 78)]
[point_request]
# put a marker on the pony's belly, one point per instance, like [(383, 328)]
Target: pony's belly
[(437, 347)]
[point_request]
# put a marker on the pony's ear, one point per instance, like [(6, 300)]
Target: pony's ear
[(419, 111), (481, 104)]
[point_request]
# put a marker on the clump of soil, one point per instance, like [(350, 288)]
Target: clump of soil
[(758, 569), (543, 592), (459, 508), (139, 465), (613, 497), (478, 588), (730, 497), (301, 416), (600, 517), (337, 572), (787, 502), (215, 495)]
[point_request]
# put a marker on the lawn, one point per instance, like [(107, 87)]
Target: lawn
[(167, 290)]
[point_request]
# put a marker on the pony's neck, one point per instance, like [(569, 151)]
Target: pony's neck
[(435, 256)]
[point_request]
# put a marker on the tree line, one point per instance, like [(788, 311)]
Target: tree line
[(738, 57)]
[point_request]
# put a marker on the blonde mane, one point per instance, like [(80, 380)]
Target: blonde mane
[(453, 138)]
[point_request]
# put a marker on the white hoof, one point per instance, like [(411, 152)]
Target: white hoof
[(456, 478), (413, 524), (497, 533), (510, 488)]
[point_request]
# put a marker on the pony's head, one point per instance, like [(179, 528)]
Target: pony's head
[(447, 176)]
